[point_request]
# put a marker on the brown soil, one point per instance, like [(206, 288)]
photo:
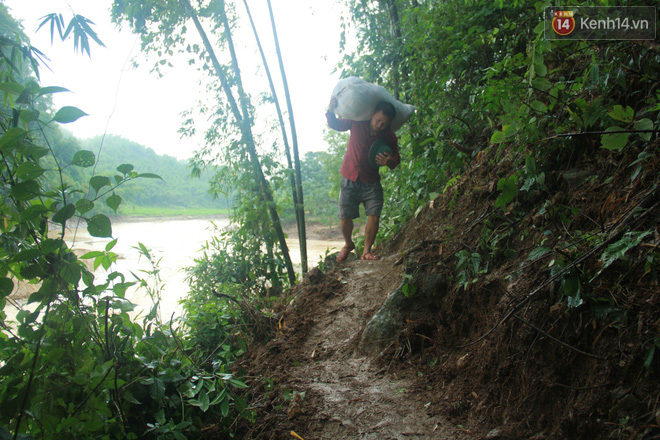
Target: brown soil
[(342, 393), (504, 357)]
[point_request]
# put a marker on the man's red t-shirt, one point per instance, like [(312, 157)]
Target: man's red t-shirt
[(356, 160)]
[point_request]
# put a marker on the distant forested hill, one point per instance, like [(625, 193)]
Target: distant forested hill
[(176, 191)]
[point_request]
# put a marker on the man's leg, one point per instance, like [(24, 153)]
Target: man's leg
[(370, 231), (373, 206), (348, 210), (347, 232)]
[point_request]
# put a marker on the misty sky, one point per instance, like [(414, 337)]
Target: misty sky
[(139, 106)]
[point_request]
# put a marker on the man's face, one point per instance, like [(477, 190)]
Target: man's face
[(380, 122)]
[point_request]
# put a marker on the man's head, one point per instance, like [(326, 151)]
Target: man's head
[(383, 115)]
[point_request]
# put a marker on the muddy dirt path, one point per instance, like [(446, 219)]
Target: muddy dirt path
[(347, 393)]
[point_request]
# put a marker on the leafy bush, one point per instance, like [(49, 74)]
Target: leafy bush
[(75, 363)]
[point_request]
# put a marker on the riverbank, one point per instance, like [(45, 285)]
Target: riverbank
[(314, 229), (156, 212)]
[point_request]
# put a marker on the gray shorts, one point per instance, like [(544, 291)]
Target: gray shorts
[(354, 193)]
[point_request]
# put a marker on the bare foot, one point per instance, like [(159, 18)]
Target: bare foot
[(370, 256), (343, 254)]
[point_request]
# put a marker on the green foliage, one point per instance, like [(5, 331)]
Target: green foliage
[(78, 27), (175, 192), (482, 75), (75, 363), (408, 288), (617, 250), (509, 188), (469, 267)]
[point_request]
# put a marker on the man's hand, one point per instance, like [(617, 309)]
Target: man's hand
[(382, 159), (333, 104)]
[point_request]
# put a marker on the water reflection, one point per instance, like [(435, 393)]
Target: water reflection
[(174, 244)]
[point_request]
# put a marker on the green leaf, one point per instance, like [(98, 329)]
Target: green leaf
[(113, 202), (92, 254), (11, 87), (497, 137), (54, 354), (84, 159), (6, 286), (29, 171), (125, 168), (28, 116), (68, 114), (98, 182), (572, 286), (409, 289), (27, 190), (614, 141), (110, 245), (224, 407), (594, 74), (240, 403), (237, 383), (150, 176), (648, 358), (71, 272), (11, 137), (622, 114), (618, 249), (541, 83), (644, 124), (50, 90), (64, 214), (34, 212), (539, 106), (509, 188), (530, 164), (540, 28), (120, 290), (540, 69), (84, 205), (538, 253), (99, 226)]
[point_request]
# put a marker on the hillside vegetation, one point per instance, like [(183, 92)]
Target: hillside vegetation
[(522, 224)]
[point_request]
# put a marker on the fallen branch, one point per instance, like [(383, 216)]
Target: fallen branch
[(588, 133)]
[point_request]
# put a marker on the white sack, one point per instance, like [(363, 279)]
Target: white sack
[(357, 99)]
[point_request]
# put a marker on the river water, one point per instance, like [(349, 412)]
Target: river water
[(174, 243)]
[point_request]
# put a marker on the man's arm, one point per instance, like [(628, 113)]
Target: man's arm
[(390, 160), (333, 122)]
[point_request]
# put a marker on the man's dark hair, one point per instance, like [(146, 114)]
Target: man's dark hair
[(387, 108)]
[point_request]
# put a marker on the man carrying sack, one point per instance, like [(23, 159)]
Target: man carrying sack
[(371, 144)]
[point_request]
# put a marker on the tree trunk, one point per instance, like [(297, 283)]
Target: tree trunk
[(300, 207), (243, 119), (292, 177)]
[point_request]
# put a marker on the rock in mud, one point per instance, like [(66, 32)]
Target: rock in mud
[(415, 296), (383, 327)]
